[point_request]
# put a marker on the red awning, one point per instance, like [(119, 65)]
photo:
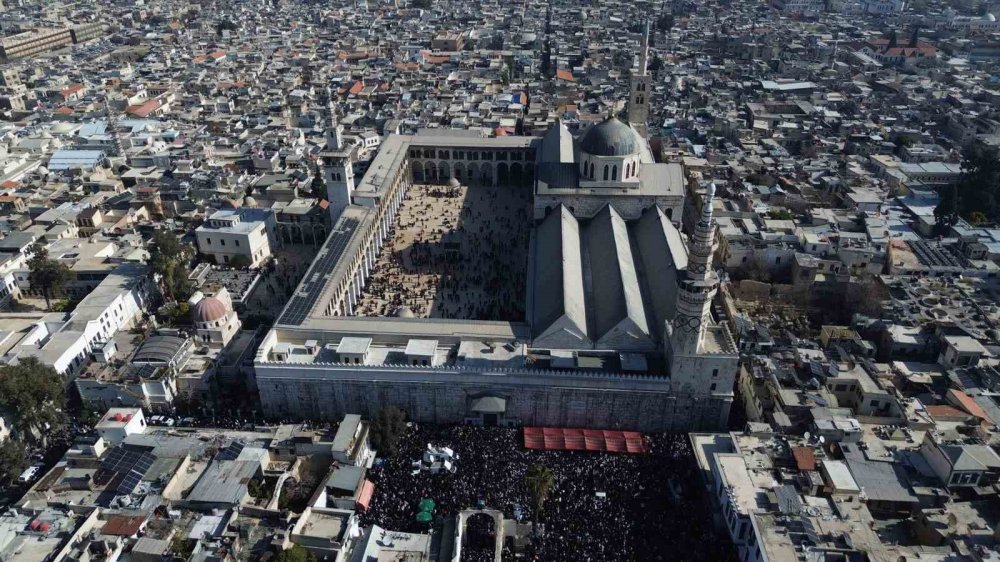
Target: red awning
[(365, 497), (596, 440)]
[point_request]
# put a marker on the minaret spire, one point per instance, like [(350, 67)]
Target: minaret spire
[(334, 131), (638, 104), (696, 291), (699, 261), (644, 50)]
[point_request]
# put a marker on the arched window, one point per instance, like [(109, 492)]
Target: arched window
[(592, 171), (605, 172), (614, 173)]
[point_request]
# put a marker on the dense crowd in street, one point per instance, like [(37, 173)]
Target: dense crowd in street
[(601, 507)]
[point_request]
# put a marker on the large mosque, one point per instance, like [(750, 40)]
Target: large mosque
[(614, 327)]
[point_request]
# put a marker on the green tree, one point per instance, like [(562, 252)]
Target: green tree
[(655, 64), (386, 430), (540, 481), (318, 185), (947, 211), (12, 459), (665, 22), (240, 262), (979, 185), (296, 554), (181, 546), (46, 275), (35, 395), (169, 259)]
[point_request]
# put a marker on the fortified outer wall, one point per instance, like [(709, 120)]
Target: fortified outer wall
[(537, 398)]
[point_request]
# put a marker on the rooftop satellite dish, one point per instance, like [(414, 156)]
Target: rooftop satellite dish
[(822, 439), (807, 436)]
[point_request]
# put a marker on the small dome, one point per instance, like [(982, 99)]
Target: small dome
[(610, 137), (209, 309), (249, 201), (990, 17), (404, 312), (453, 182)]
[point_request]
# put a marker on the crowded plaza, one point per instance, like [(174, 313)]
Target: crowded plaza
[(455, 252), (601, 506)]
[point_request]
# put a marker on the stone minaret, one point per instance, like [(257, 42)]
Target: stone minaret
[(338, 168), (112, 121), (334, 130), (638, 104), (695, 294)]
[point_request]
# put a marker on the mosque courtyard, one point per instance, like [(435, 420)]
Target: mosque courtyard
[(455, 251)]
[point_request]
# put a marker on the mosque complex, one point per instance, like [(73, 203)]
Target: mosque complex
[(506, 281)]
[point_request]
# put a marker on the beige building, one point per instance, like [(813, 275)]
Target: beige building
[(35, 42)]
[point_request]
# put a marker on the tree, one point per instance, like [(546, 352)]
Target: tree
[(388, 427), (979, 185), (655, 64), (35, 395), (181, 546), (224, 25), (47, 275), (296, 554), (169, 259), (665, 22), (12, 459), (540, 482), (947, 211), (240, 262), (318, 185)]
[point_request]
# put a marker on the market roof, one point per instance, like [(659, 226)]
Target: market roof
[(159, 349)]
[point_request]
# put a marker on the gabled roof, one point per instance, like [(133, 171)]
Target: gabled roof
[(617, 304), (558, 307)]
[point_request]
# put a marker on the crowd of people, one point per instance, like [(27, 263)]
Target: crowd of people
[(601, 506), (454, 252)]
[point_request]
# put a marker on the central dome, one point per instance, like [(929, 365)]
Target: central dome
[(209, 309), (610, 137)]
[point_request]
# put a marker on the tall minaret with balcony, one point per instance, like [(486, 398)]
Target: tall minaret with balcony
[(702, 355), (338, 169), (638, 103), (696, 291)]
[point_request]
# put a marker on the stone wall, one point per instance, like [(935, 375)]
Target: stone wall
[(636, 403)]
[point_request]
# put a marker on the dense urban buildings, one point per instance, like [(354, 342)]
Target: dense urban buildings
[(434, 280)]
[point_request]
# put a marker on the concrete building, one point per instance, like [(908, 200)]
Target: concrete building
[(245, 232), (30, 43)]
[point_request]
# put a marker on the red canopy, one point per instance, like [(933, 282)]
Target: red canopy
[(365, 497), (597, 440)]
